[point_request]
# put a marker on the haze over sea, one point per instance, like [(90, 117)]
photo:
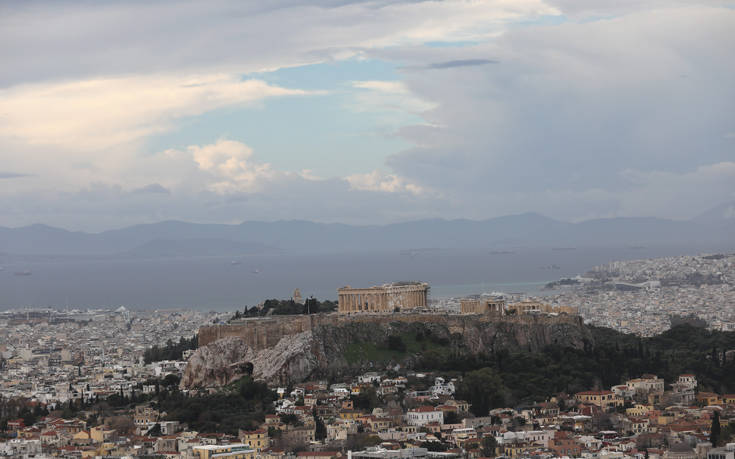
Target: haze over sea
[(228, 283)]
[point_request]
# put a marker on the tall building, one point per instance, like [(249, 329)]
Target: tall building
[(383, 298)]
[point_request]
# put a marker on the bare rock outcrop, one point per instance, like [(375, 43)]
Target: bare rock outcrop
[(227, 360), (216, 364), (292, 359)]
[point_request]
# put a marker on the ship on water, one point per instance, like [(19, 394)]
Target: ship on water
[(23, 273)]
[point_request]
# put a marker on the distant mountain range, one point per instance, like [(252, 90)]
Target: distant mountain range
[(176, 238)]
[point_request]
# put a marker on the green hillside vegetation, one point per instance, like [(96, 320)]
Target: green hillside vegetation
[(397, 347), (287, 307), (243, 404), (524, 377), (171, 351)]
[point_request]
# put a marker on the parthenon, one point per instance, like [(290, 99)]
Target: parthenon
[(383, 298)]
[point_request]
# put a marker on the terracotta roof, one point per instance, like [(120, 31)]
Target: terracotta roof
[(424, 409)]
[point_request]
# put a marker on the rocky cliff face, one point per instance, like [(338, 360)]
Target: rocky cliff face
[(320, 347)]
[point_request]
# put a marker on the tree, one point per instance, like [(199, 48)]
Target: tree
[(434, 446), (171, 380), (484, 389), (311, 305), (488, 445), (451, 417), (714, 431), (155, 431), (366, 400), (360, 441), (290, 419), (395, 343), (320, 430), (124, 425)]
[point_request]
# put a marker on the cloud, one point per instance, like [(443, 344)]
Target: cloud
[(283, 196), (572, 107), (229, 163), (11, 175), (92, 115), (386, 183), (587, 117), (153, 188), (595, 9), (228, 167), (461, 63), (388, 95), (694, 190), (79, 40)]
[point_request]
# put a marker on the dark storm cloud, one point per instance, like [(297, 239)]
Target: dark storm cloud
[(154, 188), (580, 120), (461, 63), (11, 175)]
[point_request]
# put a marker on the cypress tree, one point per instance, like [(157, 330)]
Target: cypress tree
[(714, 431)]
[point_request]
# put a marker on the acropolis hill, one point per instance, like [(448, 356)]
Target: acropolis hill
[(295, 348)]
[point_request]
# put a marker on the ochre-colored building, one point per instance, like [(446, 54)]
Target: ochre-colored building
[(383, 298), (605, 399), (492, 306), (257, 439)]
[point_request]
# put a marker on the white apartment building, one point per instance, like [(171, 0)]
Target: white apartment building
[(424, 415)]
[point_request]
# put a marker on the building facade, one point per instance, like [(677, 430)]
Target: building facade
[(233, 451), (605, 399), (424, 415), (383, 298), (492, 306)]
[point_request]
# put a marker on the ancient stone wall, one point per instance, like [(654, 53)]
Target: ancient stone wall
[(264, 333)]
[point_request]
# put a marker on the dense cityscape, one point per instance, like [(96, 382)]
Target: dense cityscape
[(108, 383), (367, 229), (641, 296)]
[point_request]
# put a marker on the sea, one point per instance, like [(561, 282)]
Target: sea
[(233, 283)]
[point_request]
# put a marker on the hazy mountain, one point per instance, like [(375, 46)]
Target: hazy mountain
[(174, 238)]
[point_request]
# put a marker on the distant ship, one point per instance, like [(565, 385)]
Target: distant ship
[(256, 271), (235, 262), (22, 273)]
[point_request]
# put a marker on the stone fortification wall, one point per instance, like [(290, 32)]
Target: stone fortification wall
[(260, 333), (264, 333)]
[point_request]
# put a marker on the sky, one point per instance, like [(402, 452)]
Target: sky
[(363, 111)]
